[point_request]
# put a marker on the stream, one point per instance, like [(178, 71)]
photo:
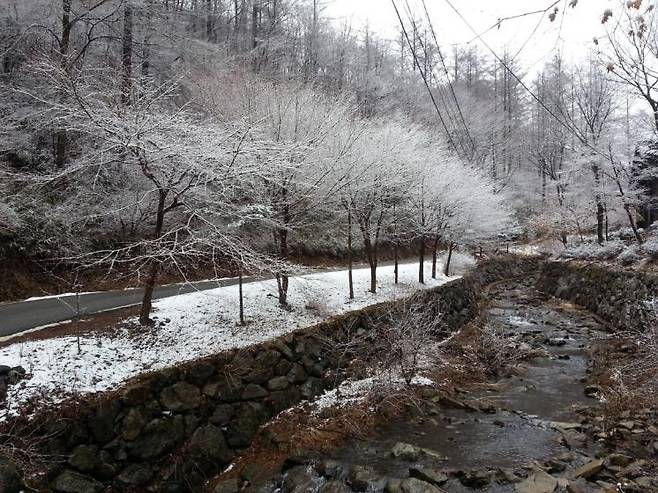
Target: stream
[(530, 417)]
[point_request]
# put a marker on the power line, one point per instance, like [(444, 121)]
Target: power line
[(423, 45), (422, 73), (524, 85), (445, 70), (512, 17)]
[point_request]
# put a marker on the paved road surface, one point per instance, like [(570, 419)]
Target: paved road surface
[(25, 315)]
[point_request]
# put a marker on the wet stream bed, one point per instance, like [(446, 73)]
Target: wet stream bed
[(522, 435)]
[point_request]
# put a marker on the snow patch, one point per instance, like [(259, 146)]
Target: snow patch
[(193, 326), (355, 391)]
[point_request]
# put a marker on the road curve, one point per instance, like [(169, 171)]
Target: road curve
[(30, 314)]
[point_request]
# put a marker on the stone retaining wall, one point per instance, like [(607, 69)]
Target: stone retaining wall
[(619, 297), (170, 430)]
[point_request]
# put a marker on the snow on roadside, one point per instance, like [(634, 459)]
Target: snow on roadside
[(194, 325)]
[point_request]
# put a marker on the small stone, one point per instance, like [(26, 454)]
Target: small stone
[(562, 426), (181, 396), (208, 449), (157, 437), (588, 470), (413, 485), (133, 423), (538, 482), (74, 482), (573, 439), (84, 457), (241, 430), (633, 470), (644, 482), (476, 479), (278, 383), (406, 452), (254, 391), (283, 348), (507, 476), (428, 475), (582, 486), (222, 414), (364, 479), (135, 475), (335, 487), (555, 466), (297, 374), (618, 460), (592, 390)]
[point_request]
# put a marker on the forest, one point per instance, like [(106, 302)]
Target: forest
[(251, 245), (150, 136)]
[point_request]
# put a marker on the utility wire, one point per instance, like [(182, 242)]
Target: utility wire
[(422, 73), (524, 85), (452, 89), (450, 117), (512, 17)]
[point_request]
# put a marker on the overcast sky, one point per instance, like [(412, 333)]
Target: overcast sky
[(535, 36)]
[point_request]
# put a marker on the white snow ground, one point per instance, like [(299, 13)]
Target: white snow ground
[(195, 325)]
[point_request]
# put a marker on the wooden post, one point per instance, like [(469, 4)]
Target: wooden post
[(241, 297)]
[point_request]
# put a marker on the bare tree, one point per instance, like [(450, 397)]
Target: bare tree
[(633, 49)]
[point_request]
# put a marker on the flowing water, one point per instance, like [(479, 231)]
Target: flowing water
[(521, 429)]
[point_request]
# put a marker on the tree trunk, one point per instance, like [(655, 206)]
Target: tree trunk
[(654, 107), (350, 260), (209, 20), (66, 30), (600, 209), (421, 261), (147, 299), (446, 271), (396, 253), (396, 268), (371, 255), (254, 36), (61, 137), (600, 223), (146, 50), (373, 278), (627, 207), (149, 286), (435, 247), (127, 55), (282, 279)]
